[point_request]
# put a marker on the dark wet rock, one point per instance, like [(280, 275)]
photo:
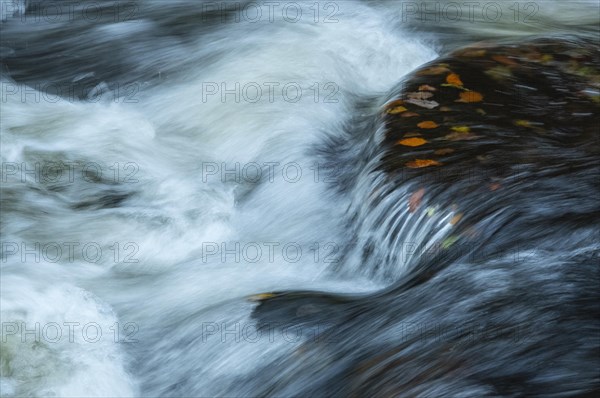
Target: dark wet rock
[(507, 136)]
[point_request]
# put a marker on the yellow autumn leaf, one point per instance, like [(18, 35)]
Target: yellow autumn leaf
[(461, 129), (414, 141), (449, 241), (523, 123), (470, 96), (429, 124), (455, 86), (396, 110), (419, 163), (261, 296), (453, 78)]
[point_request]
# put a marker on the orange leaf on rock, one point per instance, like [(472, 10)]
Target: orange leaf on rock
[(456, 219), (415, 200), (394, 103), (419, 163), (454, 79), (470, 96), (414, 141), (429, 124)]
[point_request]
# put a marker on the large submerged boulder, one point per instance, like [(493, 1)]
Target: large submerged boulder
[(506, 137)]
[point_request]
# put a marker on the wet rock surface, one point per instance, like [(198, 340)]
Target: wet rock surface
[(506, 135)]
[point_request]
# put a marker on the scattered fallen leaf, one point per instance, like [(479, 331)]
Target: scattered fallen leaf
[(546, 58), (261, 296), (415, 200), (430, 211), (499, 73), (453, 78), (449, 241), (480, 111), (429, 124), (444, 151), (445, 109), (504, 60), (470, 96), (433, 70), (523, 123), (414, 141), (472, 53), (461, 137), (394, 104), (461, 129), (409, 114), (455, 86), (419, 163), (426, 87), (420, 95), (423, 103), (456, 219), (396, 110), (494, 186)]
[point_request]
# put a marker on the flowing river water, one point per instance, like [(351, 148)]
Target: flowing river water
[(162, 161)]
